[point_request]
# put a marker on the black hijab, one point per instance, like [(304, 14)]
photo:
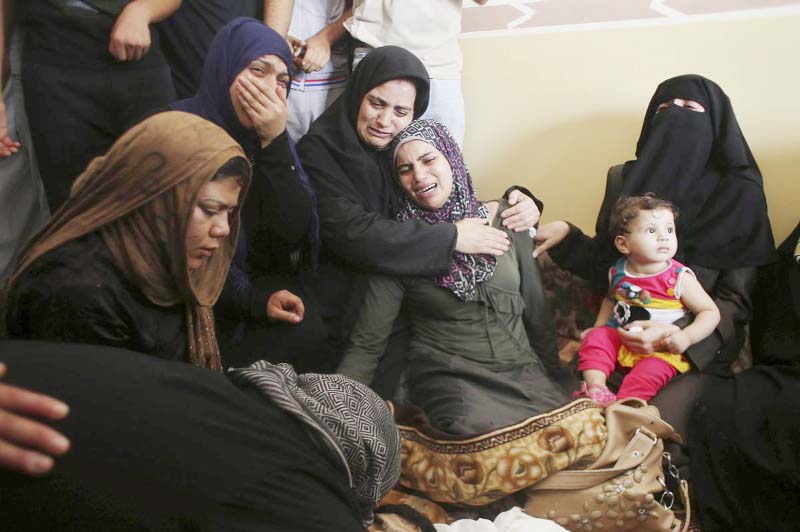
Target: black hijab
[(701, 162), (333, 148)]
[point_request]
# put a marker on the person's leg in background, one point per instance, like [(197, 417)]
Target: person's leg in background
[(676, 402), (70, 113), (446, 105), (305, 107), (137, 92), (24, 206), (77, 114)]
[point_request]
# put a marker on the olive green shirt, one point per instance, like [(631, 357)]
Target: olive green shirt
[(507, 325)]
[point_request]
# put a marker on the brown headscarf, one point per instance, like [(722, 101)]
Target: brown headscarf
[(139, 197)]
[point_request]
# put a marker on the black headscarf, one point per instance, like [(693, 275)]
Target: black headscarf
[(701, 162), (332, 147)]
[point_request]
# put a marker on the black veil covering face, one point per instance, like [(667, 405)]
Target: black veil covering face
[(701, 162)]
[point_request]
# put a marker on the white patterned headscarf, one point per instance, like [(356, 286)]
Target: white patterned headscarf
[(346, 417)]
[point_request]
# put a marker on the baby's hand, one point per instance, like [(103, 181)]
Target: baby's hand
[(676, 342)]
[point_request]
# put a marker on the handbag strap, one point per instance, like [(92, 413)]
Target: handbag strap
[(687, 503), (640, 445), (632, 412)]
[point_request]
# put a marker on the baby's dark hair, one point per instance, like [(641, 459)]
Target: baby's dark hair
[(628, 207), (408, 513)]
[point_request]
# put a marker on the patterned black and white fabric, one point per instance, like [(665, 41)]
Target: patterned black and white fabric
[(466, 271), (346, 417)]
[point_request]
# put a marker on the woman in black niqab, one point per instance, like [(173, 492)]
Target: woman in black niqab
[(701, 162)]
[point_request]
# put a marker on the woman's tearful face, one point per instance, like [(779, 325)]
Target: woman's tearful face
[(209, 223), (424, 173)]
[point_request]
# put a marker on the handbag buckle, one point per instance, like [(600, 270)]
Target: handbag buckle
[(640, 430)]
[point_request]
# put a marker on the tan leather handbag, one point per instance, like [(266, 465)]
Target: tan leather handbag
[(625, 489)]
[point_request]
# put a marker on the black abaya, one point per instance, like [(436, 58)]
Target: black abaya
[(745, 447), (159, 445), (357, 198)]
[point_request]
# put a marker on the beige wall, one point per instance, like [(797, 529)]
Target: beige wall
[(554, 110)]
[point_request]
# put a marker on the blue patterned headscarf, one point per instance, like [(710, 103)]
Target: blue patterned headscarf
[(466, 271)]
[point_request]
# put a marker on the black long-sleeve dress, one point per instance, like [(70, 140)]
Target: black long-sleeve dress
[(745, 430), (275, 220), (75, 293), (356, 200), (273, 253)]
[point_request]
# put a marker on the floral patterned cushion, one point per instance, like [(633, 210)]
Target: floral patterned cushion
[(573, 304), (479, 470)]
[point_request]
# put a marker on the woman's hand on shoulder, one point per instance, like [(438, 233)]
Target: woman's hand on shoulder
[(26, 445), (522, 213), (550, 235), (476, 237)]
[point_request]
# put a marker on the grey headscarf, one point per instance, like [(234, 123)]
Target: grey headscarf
[(345, 417)]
